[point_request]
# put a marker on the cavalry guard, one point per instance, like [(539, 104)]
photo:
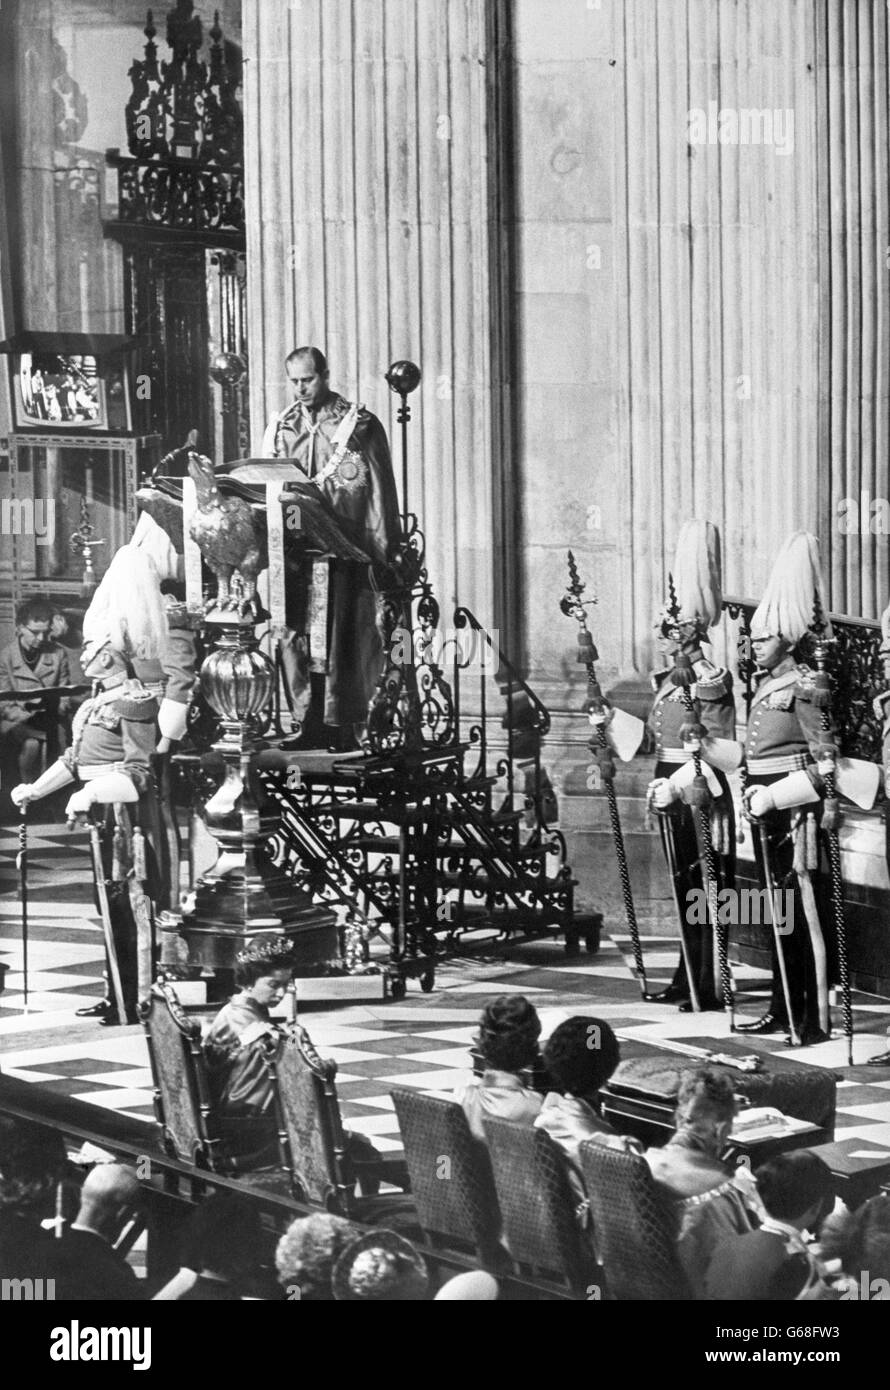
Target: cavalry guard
[(697, 602), (114, 735), (786, 755)]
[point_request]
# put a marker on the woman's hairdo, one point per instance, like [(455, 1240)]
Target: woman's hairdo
[(705, 1095), (581, 1054), (508, 1032)]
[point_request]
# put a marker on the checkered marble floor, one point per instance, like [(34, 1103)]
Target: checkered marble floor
[(421, 1041)]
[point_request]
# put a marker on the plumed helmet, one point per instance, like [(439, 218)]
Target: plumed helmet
[(787, 607), (128, 608)]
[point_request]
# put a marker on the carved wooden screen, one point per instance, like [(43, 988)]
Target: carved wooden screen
[(180, 219)]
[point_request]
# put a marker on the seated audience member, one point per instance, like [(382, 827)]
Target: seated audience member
[(220, 1254), (690, 1163), (860, 1241), (307, 1252), (92, 1268), (708, 1220), (32, 1164), (241, 1088), (775, 1263), (508, 1040), (381, 1267), (580, 1056), (235, 1049), (32, 661)]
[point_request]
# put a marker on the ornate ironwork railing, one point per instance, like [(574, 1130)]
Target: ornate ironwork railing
[(180, 195), (857, 674)]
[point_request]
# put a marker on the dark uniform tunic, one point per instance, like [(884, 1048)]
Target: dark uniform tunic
[(678, 824), (783, 736)]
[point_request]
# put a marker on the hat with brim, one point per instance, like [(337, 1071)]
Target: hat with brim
[(380, 1267)]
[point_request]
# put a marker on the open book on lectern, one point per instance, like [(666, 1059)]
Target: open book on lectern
[(316, 521), (309, 517)]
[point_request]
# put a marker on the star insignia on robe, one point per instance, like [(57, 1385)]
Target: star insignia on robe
[(351, 473)]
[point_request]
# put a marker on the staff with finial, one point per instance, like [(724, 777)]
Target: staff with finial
[(573, 605), (21, 863), (698, 794), (826, 756)]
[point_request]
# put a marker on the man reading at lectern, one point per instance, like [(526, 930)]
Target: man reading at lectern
[(342, 448)]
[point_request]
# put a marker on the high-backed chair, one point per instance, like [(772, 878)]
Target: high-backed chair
[(451, 1179), (181, 1091), (327, 1164), (541, 1229), (634, 1235)]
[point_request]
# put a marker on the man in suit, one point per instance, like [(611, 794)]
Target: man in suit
[(774, 1263), (91, 1268)]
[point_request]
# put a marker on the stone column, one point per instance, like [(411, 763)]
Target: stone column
[(854, 279), (374, 232)]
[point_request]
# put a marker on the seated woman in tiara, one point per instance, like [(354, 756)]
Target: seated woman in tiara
[(235, 1047), (235, 1051)]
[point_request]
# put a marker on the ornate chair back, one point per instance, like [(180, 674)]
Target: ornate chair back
[(538, 1206), (451, 1179), (309, 1122), (634, 1236), (181, 1091)]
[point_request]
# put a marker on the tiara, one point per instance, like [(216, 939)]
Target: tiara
[(267, 952)]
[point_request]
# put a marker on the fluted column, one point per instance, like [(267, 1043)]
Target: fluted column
[(854, 235), (373, 232)]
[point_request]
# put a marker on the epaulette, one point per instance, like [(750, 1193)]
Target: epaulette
[(720, 683), (141, 707)]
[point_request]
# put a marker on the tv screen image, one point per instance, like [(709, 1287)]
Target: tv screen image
[(60, 391)]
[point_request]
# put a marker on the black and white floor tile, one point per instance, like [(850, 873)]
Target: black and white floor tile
[(421, 1041)]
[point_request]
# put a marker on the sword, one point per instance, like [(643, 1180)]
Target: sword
[(572, 605), (667, 840), (763, 832), (683, 676), (105, 914), (831, 818), (21, 863)]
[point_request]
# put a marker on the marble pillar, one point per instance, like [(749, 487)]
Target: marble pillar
[(374, 231)]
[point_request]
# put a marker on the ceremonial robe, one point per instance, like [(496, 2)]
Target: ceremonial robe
[(362, 492)]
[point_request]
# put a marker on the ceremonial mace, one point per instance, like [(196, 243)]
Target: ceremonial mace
[(831, 811), (403, 377), (683, 676), (573, 606)]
